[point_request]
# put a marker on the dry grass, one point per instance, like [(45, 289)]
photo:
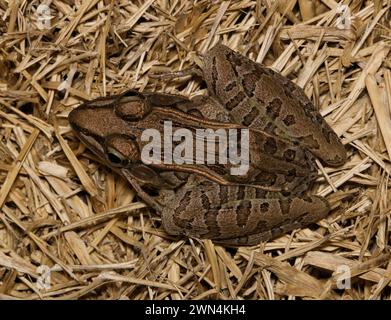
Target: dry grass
[(60, 208)]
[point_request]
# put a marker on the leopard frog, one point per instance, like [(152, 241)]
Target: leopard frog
[(204, 200)]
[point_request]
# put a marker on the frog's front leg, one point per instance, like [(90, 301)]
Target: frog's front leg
[(236, 215)]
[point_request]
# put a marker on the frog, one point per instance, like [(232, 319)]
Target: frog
[(202, 200)]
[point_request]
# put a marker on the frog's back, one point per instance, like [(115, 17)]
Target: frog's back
[(261, 98)]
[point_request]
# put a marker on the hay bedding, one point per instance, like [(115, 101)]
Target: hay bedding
[(62, 209)]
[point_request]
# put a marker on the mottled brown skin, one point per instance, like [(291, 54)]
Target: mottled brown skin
[(275, 164), (261, 98), (205, 201)]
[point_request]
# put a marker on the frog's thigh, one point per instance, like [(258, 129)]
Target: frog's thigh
[(240, 222), (269, 218)]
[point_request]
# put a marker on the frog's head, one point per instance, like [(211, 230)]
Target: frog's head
[(105, 126), (110, 128)]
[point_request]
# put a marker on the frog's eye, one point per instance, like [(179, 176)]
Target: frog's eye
[(115, 158), (132, 106), (121, 150)]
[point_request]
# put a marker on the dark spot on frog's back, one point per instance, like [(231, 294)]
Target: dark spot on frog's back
[(229, 86), (291, 175), (232, 103), (289, 155), (264, 206), (274, 107), (250, 117), (270, 146), (289, 120)]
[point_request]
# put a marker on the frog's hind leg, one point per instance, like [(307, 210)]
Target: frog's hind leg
[(306, 219), (235, 215), (271, 218)]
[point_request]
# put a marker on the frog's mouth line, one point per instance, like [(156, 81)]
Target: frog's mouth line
[(92, 144)]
